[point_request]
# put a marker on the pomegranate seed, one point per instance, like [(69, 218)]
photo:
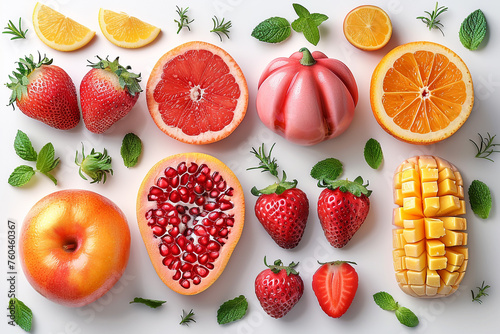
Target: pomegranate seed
[(174, 249), (192, 198), (219, 222), (214, 193), (159, 213), (223, 232), (163, 250), (198, 189), (155, 191), (149, 214), (181, 241), (213, 216), (174, 182), (152, 222), (185, 198), (226, 206), (167, 207), (211, 206), (213, 255), (221, 241), (203, 259), (204, 169), (177, 275), (194, 211), (185, 283), (203, 240), (186, 267), (162, 221), (174, 196), (199, 230), (167, 262), (187, 275), (199, 249), (196, 280), (202, 271), (180, 209), (190, 247), (200, 201), (212, 231), (183, 191), (167, 239), (230, 191), (206, 222), (181, 168), (216, 177), (201, 178), (174, 221), (209, 184), (170, 172), (213, 246), (184, 179), (210, 265), (192, 168), (158, 231), (191, 258), (188, 232), (230, 221), (162, 183), (152, 198), (176, 264)]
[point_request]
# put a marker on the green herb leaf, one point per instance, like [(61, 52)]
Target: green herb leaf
[(21, 175), (406, 317), (232, 310), (96, 165), (22, 314), (473, 30), (431, 21), (131, 149), (481, 292), (385, 301), (373, 153), (272, 30), (187, 317), (480, 199), (221, 27), (328, 169), (184, 20), (16, 31), (153, 303), (45, 161), (486, 146), (23, 147), (308, 23)]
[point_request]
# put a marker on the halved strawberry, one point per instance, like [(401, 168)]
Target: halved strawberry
[(335, 285)]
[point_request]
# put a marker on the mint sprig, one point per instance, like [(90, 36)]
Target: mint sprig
[(153, 303), (373, 153), (45, 161), (277, 29), (232, 310), (480, 199), (22, 314), (131, 149), (386, 302), (473, 30)]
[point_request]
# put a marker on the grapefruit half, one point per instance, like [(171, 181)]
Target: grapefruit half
[(197, 93)]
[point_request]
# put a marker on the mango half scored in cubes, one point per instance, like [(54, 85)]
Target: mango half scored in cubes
[(430, 240)]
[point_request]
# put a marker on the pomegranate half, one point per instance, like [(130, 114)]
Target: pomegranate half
[(190, 211)]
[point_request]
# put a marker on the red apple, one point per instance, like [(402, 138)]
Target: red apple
[(74, 246)]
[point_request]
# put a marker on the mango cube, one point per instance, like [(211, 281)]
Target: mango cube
[(436, 262), (435, 247)]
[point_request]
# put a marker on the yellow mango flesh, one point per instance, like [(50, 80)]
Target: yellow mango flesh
[(430, 251)]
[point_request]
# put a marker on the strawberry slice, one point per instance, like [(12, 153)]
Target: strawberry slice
[(335, 285)]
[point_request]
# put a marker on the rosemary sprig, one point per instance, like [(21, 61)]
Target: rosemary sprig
[(432, 21), (184, 20), (481, 293), (16, 31), (221, 27), (187, 317), (486, 147)]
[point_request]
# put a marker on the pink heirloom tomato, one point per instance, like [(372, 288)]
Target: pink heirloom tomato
[(307, 98)]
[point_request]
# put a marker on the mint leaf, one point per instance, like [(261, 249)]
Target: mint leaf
[(23, 147), (153, 303), (45, 161), (373, 153), (328, 169), (385, 301), (301, 10), (473, 30), (406, 317), (308, 23), (131, 149), (232, 310), (21, 175), (480, 199), (272, 30), (22, 314)]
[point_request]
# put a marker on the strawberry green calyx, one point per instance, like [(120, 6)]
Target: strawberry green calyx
[(96, 165), (278, 266), (356, 187), (268, 164), (337, 263), (19, 80), (127, 79)]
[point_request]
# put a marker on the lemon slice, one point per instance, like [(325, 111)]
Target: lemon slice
[(58, 31), (126, 31)]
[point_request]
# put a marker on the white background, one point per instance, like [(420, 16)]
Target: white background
[(371, 246)]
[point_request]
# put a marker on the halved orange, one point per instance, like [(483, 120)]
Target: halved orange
[(421, 92), (58, 31), (126, 31), (197, 93), (368, 27)]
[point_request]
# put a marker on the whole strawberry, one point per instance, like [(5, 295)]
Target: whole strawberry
[(335, 285), (45, 92), (107, 93), (278, 288), (281, 208), (343, 205)]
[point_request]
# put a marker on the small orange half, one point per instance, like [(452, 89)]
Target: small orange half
[(421, 92), (368, 27)]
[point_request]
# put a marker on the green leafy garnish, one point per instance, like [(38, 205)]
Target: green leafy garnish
[(278, 29), (96, 165), (153, 303), (45, 161), (373, 153), (480, 199), (187, 317), (328, 169), (481, 292), (16, 31), (486, 147), (270, 165), (386, 302), (131, 149), (232, 310), (278, 266), (22, 314), (473, 30), (431, 21), (126, 79), (273, 30), (183, 21), (221, 27)]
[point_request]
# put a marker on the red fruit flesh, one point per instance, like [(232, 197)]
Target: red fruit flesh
[(284, 216), (51, 98), (335, 285), (278, 293), (341, 215), (191, 214)]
